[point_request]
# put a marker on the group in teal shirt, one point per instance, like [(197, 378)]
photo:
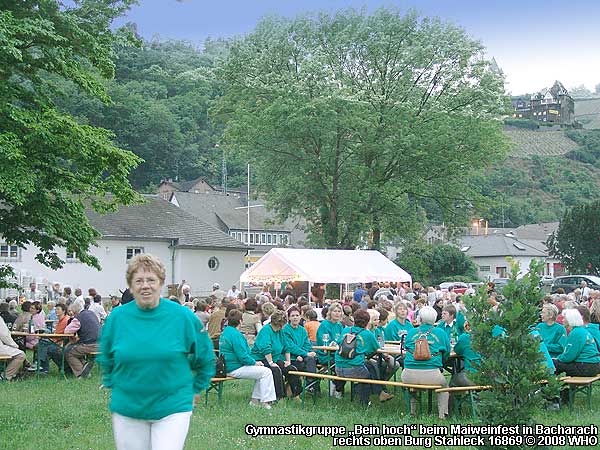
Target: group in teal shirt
[(296, 340), (334, 331), (395, 330), (439, 346), (269, 341), (554, 336), (366, 345)]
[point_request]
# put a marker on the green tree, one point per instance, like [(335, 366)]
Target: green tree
[(511, 361), (350, 119), (576, 243), (448, 261), (52, 166)]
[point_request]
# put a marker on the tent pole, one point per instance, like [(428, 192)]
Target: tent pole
[(309, 291), (341, 287)]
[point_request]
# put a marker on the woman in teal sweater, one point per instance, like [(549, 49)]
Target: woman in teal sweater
[(270, 348), (330, 333), (427, 372), (400, 326), (296, 339), (155, 355), (356, 367), (553, 334), (239, 364), (581, 355)]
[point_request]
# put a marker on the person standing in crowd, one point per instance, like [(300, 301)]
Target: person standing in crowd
[(217, 291), (184, 292), (239, 363), (232, 294), (96, 308), (155, 357)]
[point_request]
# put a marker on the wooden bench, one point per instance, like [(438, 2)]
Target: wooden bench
[(216, 384), (580, 384), (407, 388), (4, 360), (457, 393)]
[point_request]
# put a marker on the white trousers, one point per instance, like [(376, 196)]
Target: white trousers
[(264, 388), (168, 433)]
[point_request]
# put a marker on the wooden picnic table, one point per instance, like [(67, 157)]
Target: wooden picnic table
[(47, 336)]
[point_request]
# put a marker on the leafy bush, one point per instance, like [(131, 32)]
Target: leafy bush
[(522, 123), (511, 362)]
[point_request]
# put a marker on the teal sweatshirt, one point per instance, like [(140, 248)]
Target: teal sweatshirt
[(296, 340), (453, 331), (269, 341), (334, 330), (594, 330), (366, 344), (464, 349), (554, 336), (234, 348), (154, 360), (544, 351), (395, 329), (581, 347), (438, 342)]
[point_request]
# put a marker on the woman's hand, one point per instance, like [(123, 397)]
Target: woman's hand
[(313, 354), (299, 358), (287, 364), (259, 363)]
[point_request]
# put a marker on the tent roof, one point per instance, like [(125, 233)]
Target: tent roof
[(324, 266)]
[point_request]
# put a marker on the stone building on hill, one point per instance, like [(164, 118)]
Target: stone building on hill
[(550, 105)]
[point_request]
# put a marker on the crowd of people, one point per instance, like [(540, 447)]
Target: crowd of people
[(267, 337)]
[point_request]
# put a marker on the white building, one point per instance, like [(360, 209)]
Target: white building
[(191, 250)]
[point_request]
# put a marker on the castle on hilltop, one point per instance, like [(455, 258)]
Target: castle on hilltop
[(553, 106)]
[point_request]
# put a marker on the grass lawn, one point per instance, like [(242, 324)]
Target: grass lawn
[(53, 413)]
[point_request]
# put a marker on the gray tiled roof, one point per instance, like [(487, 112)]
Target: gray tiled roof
[(158, 219), (499, 245), (536, 231), (218, 209)]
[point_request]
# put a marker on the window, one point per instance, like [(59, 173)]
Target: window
[(213, 263), (501, 272), (519, 246), (252, 238), (245, 240), (277, 239), (133, 251), (484, 268), (269, 237), (284, 240), (232, 234), (239, 236), (9, 252), (256, 238), (263, 238), (71, 257)]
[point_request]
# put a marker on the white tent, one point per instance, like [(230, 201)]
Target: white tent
[(324, 266)]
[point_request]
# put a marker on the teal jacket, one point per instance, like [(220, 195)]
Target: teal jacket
[(544, 351), (234, 348), (366, 345), (554, 336), (395, 330), (464, 349), (334, 330), (269, 341), (594, 330), (581, 347), (296, 340), (453, 331), (154, 360), (439, 343)]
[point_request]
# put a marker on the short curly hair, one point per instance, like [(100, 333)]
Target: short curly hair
[(147, 262)]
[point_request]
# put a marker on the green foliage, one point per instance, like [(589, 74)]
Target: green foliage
[(589, 150), (53, 165), (434, 264), (350, 120), (161, 94), (522, 123), (511, 361), (539, 189), (576, 243)]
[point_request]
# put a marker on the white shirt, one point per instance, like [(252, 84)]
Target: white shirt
[(97, 309), (232, 294)]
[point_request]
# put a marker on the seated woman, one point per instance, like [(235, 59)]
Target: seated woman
[(270, 348), (9, 348), (239, 364), (23, 321), (356, 367), (580, 357), (251, 322), (427, 372), (381, 367), (298, 344), (400, 326), (553, 334), (471, 359), (330, 332)]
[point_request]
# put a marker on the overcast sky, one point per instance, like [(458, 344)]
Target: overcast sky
[(534, 41)]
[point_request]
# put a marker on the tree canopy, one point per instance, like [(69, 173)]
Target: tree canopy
[(52, 165), (352, 120), (576, 243)]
